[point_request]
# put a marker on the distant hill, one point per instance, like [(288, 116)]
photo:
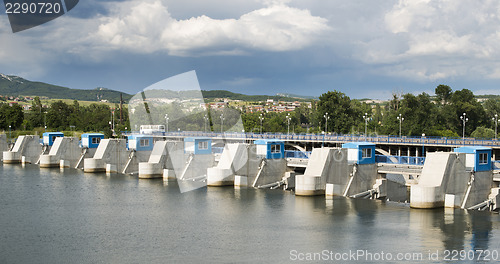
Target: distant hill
[(17, 86), (253, 98)]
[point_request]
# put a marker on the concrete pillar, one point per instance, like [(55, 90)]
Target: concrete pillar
[(399, 151), (416, 152)]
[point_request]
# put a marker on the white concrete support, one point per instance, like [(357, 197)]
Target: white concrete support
[(446, 181), (324, 165), (234, 158), (26, 146), (64, 148), (112, 152), (160, 162), (240, 181), (309, 185), (430, 191)]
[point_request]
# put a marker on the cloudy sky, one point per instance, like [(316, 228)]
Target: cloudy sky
[(366, 49)]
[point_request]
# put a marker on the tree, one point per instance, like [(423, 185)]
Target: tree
[(443, 93), (483, 132), (58, 115), (36, 113), (492, 107), (463, 101), (340, 111)]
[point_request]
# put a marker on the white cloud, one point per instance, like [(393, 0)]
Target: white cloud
[(148, 26), (436, 40)]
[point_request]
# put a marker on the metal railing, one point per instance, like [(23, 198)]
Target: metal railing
[(411, 140), (400, 160), (297, 154)]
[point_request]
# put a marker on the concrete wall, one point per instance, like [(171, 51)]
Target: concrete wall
[(65, 149), (318, 170), (26, 146), (86, 153), (3, 145), (160, 160), (135, 157), (242, 161), (274, 171), (111, 156)]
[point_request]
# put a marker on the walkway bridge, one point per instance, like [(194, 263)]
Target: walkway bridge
[(306, 139)]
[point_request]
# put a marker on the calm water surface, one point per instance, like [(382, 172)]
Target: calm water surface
[(49, 216)]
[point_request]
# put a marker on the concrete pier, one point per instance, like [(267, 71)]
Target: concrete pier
[(160, 162), (233, 161), (247, 165), (111, 156), (64, 153), (453, 179), (321, 164), (3, 145), (339, 172), (27, 149)]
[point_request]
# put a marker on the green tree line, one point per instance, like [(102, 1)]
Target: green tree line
[(334, 112)]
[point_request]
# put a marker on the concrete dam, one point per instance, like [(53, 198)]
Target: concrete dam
[(464, 177)]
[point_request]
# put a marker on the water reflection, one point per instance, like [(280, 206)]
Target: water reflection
[(72, 215)]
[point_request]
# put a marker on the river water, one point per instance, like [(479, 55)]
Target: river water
[(53, 216)]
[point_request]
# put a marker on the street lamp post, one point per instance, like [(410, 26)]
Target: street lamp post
[(495, 119), (464, 120), (326, 122), (166, 119), (401, 119), (261, 119), (10, 136), (288, 120), (205, 118), (221, 122), (112, 123), (366, 118)]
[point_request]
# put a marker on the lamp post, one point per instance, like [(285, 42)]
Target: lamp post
[(326, 122), (401, 119), (221, 122), (166, 119), (261, 119), (464, 120), (205, 119), (366, 118), (495, 119), (288, 120), (10, 136), (112, 123)]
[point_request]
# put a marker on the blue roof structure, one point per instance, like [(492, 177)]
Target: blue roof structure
[(355, 145)]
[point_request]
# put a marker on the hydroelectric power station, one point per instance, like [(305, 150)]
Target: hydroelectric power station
[(425, 172)]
